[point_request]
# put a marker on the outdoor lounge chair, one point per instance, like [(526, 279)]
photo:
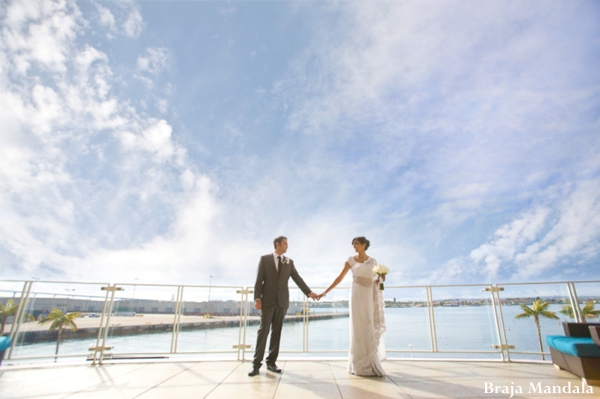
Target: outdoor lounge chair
[(578, 351)]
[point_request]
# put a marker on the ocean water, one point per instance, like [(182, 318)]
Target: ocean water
[(462, 328)]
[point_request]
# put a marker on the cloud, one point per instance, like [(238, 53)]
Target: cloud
[(154, 61), (133, 24), (119, 18), (460, 138), (509, 239), (179, 249), (545, 243), (574, 238), (443, 93), (48, 31), (441, 121), (156, 139), (107, 19), (84, 175)]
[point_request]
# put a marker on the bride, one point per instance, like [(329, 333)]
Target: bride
[(367, 321)]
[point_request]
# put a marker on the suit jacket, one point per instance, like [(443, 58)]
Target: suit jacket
[(272, 286)]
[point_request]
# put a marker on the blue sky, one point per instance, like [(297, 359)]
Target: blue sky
[(166, 141)]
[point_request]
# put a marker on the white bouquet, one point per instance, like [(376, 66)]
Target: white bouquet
[(381, 270)]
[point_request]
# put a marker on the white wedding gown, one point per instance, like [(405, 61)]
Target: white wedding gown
[(367, 321)]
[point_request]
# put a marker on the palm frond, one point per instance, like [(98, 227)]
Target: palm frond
[(549, 315), (522, 316), (537, 309)]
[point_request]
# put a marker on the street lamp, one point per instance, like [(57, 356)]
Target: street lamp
[(72, 295), (135, 286), (209, 287), (133, 304)]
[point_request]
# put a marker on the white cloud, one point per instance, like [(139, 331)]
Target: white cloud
[(407, 123), (119, 18), (574, 237), (509, 240), (40, 33), (134, 24), (107, 19), (174, 256), (154, 61), (60, 122), (156, 139), (541, 244), (444, 93), (455, 115)]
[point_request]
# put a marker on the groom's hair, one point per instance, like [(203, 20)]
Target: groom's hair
[(278, 240), (362, 240)]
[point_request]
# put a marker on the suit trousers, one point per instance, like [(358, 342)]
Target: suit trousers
[(270, 318)]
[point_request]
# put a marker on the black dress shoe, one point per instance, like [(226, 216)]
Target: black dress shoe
[(253, 372), (273, 368)]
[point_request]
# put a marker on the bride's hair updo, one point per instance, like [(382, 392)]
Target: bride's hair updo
[(362, 240)]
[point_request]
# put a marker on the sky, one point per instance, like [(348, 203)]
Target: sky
[(169, 141)]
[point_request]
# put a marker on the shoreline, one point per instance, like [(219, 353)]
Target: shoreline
[(87, 327)]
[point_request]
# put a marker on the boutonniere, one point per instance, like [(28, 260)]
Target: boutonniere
[(286, 260)]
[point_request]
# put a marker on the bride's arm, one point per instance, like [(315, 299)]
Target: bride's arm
[(337, 280)]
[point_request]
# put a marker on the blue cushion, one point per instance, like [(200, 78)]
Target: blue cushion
[(5, 343), (574, 346), (550, 339)]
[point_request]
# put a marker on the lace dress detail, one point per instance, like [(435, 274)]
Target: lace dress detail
[(367, 321)]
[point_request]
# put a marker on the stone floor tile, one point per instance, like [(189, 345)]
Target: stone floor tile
[(432, 388), (252, 390), (308, 391)]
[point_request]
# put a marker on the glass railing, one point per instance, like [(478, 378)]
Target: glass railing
[(119, 321)]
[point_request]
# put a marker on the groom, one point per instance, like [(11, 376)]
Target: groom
[(271, 297)]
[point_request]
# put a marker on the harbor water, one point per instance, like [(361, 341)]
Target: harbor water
[(462, 328)]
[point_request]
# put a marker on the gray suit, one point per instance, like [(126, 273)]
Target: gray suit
[(272, 289)]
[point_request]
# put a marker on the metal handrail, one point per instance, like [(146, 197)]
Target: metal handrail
[(503, 347)]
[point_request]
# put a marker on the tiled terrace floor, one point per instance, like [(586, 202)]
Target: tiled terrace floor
[(300, 379)]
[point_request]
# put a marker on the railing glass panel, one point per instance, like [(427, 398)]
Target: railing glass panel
[(328, 329), (162, 321), (10, 299), (407, 322), (210, 320), (587, 294), (141, 321), (522, 333), (465, 321), (58, 302)]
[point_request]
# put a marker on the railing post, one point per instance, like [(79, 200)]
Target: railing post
[(305, 310), (574, 302), (431, 317), (503, 345), (242, 346), (101, 327), (112, 289), (16, 325), (177, 319)]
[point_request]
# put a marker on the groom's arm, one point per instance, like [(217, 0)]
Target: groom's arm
[(300, 283), (260, 282)]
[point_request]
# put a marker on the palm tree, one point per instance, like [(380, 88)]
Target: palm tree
[(537, 310), (587, 312), (10, 309), (59, 321)]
